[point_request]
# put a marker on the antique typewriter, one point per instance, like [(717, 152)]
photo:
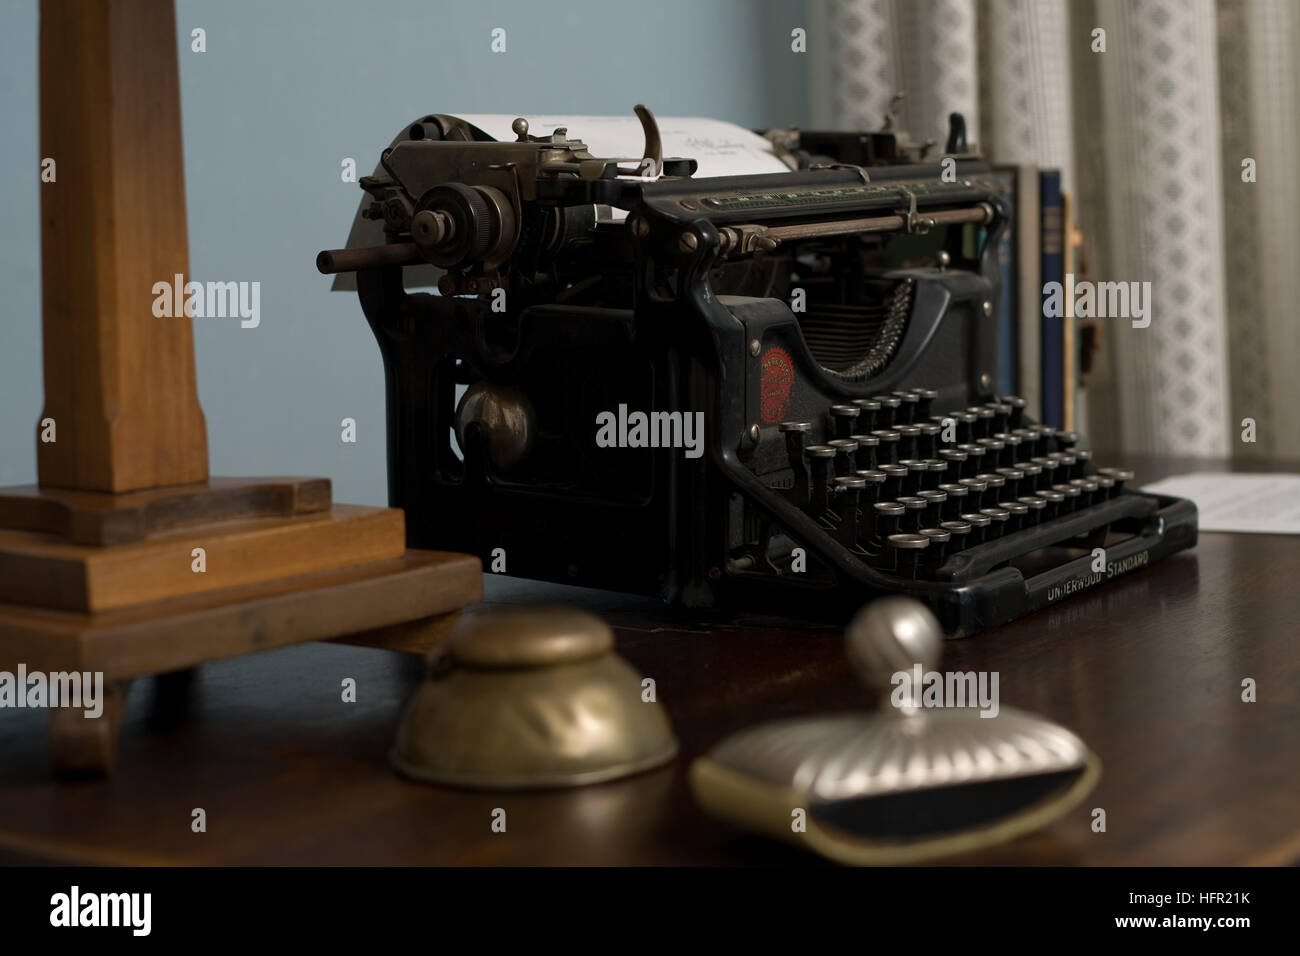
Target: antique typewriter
[(762, 393)]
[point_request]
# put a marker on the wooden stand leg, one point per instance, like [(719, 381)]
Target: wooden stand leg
[(81, 746), (409, 637)]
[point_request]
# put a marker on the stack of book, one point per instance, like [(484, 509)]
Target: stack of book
[(1038, 350)]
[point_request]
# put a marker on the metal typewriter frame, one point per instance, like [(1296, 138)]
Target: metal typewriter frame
[(700, 349)]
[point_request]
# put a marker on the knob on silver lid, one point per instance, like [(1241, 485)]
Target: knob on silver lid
[(891, 635)]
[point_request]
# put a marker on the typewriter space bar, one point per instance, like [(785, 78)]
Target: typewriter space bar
[(973, 562)]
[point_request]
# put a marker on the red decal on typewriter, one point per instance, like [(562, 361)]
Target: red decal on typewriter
[(775, 385)]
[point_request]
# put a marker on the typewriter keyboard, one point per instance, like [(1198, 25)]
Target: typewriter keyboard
[(905, 489)]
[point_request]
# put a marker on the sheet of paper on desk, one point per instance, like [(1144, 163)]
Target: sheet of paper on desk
[(720, 148), (1246, 503)]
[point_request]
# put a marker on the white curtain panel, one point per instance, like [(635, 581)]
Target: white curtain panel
[(1164, 222), (1259, 83), (1150, 136), (1025, 71), (925, 49)]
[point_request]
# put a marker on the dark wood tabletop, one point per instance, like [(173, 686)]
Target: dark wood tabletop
[(1147, 669)]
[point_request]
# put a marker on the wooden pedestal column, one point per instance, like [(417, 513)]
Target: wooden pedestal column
[(128, 558)]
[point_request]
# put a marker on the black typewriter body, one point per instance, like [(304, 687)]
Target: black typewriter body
[(833, 329)]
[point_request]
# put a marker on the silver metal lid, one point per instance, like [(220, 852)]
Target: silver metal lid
[(845, 758), (895, 750)]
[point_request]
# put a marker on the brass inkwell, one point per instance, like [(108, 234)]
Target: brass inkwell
[(527, 696)]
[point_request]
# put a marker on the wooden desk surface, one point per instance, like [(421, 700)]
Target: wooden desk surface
[(1147, 670)]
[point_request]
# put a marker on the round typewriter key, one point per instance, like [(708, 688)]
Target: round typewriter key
[(870, 409), (874, 480), (979, 524), (1119, 476), (866, 454), (847, 490), (999, 518), (1065, 464), (975, 489), (1082, 458), (887, 417), (1018, 512), (916, 469), (907, 549), (1011, 454), (966, 424), (844, 418), (795, 435), (936, 470), (956, 459), (1071, 496), (959, 531), (915, 509), (994, 452), (984, 419), (1049, 467), (887, 517), (1087, 490), (1027, 438), (1036, 506), (929, 441), (974, 454), (1001, 416), (934, 506), (1017, 410), (907, 402), (1033, 446), (1105, 487), (887, 452), (925, 398), (1012, 478), (1032, 472), (956, 502), (995, 484), (908, 440), (895, 475), (939, 538), (1053, 499), (845, 450), (1065, 440), (820, 458)]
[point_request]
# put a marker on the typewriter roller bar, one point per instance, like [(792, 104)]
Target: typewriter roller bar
[(831, 329)]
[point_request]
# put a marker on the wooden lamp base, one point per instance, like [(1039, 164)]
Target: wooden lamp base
[(282, 567), (129, 560)]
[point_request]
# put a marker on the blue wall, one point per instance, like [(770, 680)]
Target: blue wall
[(283, 93)]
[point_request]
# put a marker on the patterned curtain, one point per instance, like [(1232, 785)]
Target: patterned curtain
[(1150, 136)]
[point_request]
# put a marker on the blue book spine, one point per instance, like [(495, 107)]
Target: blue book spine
[(1053, 270)]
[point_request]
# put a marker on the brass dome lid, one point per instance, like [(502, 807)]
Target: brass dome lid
[(530, 696), (528, 636)]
